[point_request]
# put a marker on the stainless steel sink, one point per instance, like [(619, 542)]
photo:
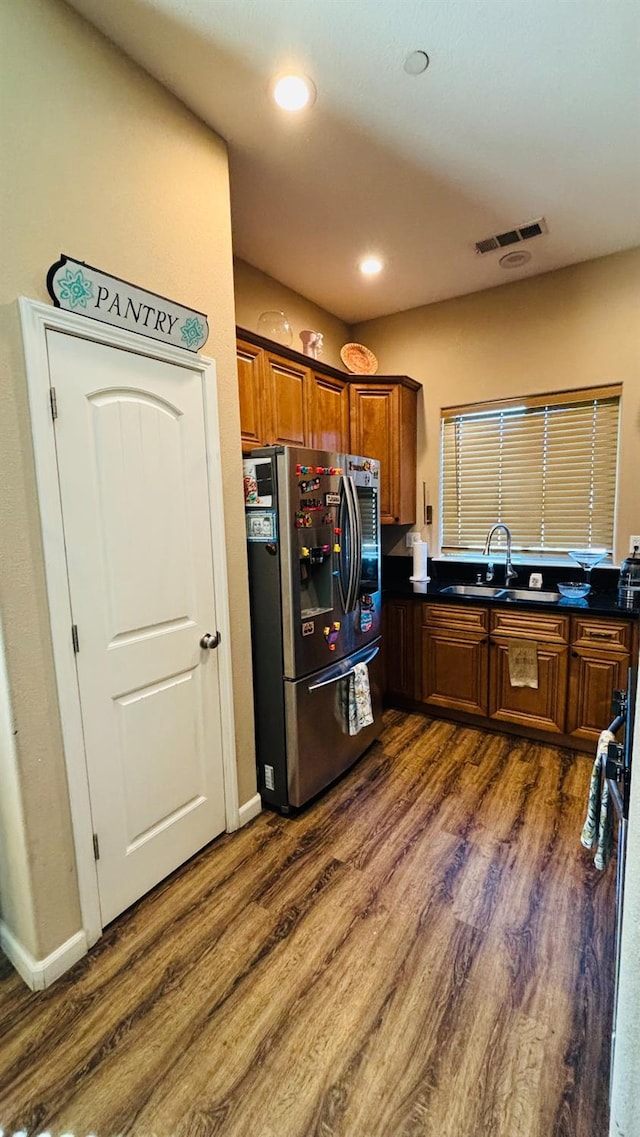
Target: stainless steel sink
[(473, 590), (535, 594)]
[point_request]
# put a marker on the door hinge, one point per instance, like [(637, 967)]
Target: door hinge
[(96, 847), (54, 402), (74, 638)]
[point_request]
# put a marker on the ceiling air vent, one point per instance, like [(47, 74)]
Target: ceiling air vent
[(513, 236)]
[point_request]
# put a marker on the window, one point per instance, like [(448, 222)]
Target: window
[(545, 465)]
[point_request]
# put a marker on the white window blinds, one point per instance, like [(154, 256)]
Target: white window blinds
[(544, 465)]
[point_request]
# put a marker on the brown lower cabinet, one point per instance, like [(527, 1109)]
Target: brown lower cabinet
[(601, 651), (455, 658), (397, 647), (542, 707)]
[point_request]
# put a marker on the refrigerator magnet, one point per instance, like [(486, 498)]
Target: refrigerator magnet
[(258, 482), (261, 525)]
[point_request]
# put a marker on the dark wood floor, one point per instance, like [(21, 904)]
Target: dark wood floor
[(426, 952)]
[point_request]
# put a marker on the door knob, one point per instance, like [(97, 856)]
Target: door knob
[(210, 641)]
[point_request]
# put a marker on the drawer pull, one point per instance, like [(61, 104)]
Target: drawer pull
[(601, 635)]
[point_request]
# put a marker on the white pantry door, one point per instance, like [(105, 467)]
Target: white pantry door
[(130, 442)]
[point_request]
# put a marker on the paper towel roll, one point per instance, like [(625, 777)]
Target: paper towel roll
[(420, 554)]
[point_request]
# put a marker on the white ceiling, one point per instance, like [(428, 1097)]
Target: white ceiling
[(529, 108)]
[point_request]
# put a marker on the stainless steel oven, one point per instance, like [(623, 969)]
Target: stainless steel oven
[(618, 774)]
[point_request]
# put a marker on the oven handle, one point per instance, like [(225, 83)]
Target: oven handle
[(343, 674)]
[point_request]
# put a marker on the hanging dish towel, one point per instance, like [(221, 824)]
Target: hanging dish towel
[(523, 663), (359, 709), (598, 826)]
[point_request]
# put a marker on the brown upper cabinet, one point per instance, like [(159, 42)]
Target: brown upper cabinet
[(273, 398), (286, 396), (253, 427), (290, 400), (328, 412), (383, 425)]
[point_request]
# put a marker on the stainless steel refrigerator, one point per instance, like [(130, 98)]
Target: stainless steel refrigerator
[(313, 533)]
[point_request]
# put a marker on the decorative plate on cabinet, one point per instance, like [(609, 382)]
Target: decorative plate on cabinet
[(358, 359)]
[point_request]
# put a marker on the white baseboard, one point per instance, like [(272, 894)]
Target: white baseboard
[(250, 809), (41, 973)]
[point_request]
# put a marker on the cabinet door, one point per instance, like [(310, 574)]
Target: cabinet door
[(253, 427), (404, 504), (286, 390), (398, 647), (543, 707), (328, 413), (593, 677), (383, 425), (454, 668), (374, 427)]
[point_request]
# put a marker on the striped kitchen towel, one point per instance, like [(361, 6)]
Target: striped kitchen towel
[(598, 826)]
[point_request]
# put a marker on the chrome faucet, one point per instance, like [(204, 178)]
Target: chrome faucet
[(509, 571)]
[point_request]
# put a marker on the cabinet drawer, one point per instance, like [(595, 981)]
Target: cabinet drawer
[(550, 627), (594, 631), (471, 618)]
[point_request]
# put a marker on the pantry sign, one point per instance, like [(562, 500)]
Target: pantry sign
[(78, 287)]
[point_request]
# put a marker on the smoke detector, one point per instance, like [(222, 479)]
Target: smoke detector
[(516, 259), (513, 236)]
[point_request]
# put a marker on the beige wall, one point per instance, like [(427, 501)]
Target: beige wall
[(256, 293), (576, 327), (101, 163)]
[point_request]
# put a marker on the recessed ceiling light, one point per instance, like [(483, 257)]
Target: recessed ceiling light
[(294, 92), (516, 259), (369, 266), (416, 63)]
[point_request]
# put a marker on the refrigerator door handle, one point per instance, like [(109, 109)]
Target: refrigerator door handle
[(345, 559), (356, 545), (351, 545), (335, 678)]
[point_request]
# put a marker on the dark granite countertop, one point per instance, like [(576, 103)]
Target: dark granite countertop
[(602, 600)]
